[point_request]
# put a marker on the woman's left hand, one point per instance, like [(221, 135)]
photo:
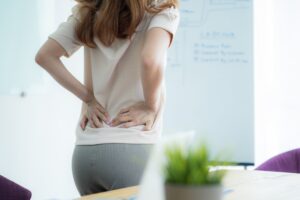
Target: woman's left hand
[(138, 114)]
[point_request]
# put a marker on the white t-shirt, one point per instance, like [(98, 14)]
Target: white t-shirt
[(116, 76)]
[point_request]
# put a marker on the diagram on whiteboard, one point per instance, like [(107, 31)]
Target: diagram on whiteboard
[(196, 12), (212, 32)]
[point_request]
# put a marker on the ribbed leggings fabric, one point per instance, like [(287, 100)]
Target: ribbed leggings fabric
[(103, 167)]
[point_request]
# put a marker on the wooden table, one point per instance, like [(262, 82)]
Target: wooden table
[(240, 185), (121, 193)]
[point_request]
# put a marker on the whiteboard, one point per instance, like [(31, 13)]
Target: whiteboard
[(209, 77)]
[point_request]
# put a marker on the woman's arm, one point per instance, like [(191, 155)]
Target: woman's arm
[(87, 80), (85, 110), (49, 57), (159, 36), (153, 55)]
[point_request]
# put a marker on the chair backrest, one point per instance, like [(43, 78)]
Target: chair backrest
[(12, 191), (285, 162)]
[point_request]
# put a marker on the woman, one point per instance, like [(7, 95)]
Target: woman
[(125, 47)]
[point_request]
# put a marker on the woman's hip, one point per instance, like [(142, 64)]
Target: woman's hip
[(108, 166)]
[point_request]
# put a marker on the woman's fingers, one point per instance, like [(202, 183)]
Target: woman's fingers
[(138, 114), (124, 110), (96, 114), (129, 124), (120, 119), (103, 111), (101, 116), (92, 123), (96, 121), (100, 108), (148, 126), (83, 122)]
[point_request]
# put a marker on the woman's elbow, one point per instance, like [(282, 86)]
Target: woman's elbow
[(151, 63), (50, 51), (43, 57), (40, 58)]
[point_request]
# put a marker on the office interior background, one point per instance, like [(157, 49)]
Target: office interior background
[(252, 83)]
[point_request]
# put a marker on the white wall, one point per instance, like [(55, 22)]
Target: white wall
[(277, 72), (38, 131)]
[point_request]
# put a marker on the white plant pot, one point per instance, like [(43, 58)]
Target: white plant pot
[(187, 192)]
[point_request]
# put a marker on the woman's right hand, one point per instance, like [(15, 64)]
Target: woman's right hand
[(137, 114), (95, 115)]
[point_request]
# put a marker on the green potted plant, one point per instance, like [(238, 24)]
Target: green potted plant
[(188, 174)]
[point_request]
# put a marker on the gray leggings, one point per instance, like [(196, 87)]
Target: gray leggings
[(103, 167)]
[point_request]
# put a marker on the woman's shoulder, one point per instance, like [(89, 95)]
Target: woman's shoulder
[(172, 12), (163, 16), (75, 12)]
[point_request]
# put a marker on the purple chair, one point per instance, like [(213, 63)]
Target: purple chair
[(12, 191), (285, 162)]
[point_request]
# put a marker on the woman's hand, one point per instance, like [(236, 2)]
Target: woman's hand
[(138, 114), (95, 115)]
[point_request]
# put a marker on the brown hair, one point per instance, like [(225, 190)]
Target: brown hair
[(110, 19)]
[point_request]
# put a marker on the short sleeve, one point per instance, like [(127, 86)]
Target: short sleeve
[(167, 19), (65, 35)]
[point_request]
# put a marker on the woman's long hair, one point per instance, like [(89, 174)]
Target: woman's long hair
[(111, 19)]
